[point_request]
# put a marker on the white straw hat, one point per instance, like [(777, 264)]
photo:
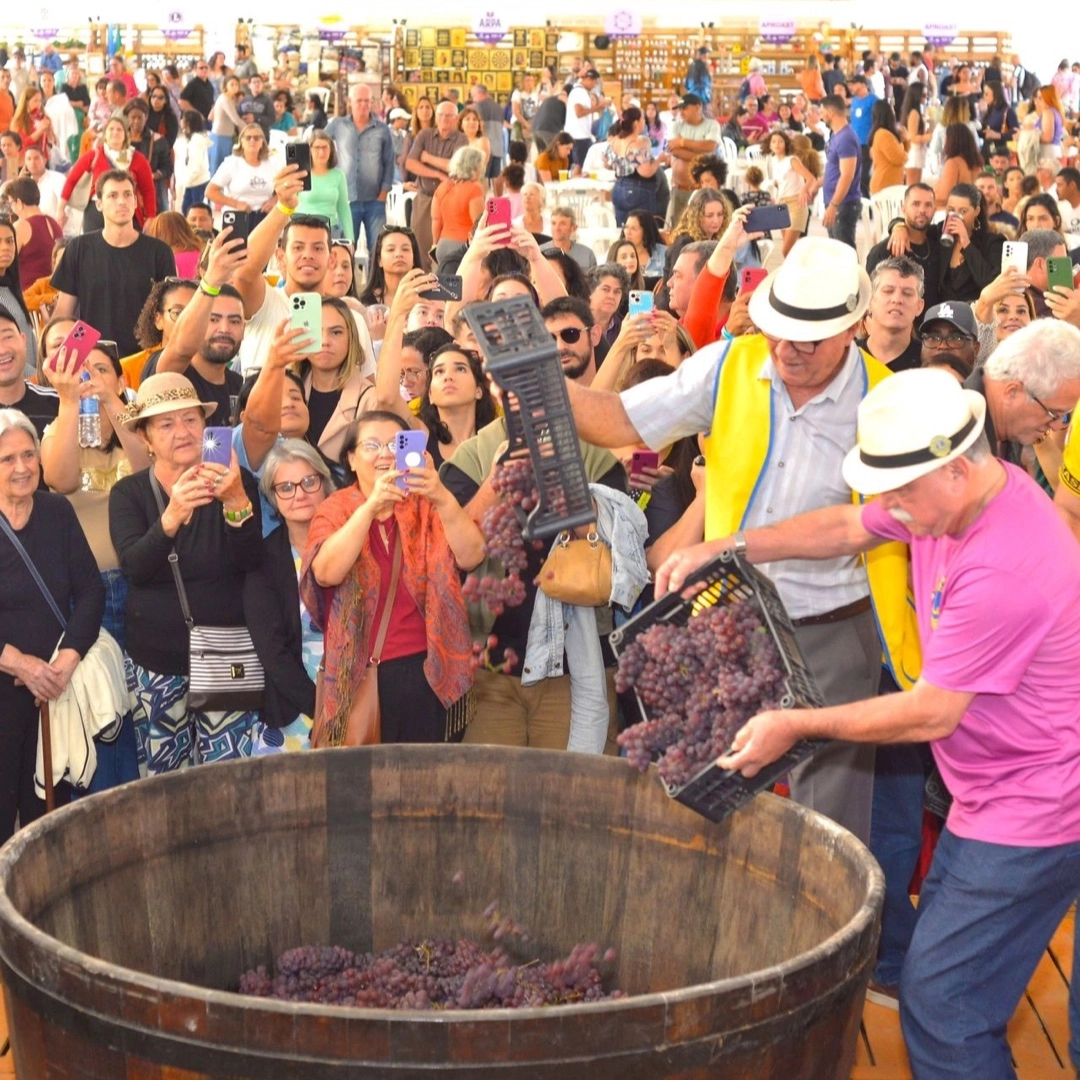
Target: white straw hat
[(819, 290), (909, 425)]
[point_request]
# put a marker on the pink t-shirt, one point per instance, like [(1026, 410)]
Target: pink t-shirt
[(999, 616)]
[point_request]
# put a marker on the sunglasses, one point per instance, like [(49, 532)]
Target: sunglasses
[(387, 230), (570, 334)]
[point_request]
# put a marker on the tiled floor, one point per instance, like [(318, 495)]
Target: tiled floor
[(1038, 1034)]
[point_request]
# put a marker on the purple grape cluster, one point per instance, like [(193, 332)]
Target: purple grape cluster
[(435, 974), (514, 483), (699, 683)]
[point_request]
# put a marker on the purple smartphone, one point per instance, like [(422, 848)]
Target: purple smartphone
[(217, 446), (409, 447)]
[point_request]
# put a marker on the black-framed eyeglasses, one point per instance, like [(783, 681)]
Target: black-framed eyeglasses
[(803, 348), (945, 341), (1055, 416), (287, 488), (570, 334)]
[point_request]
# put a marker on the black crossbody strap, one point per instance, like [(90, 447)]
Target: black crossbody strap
[(174, 559), (5, 525)]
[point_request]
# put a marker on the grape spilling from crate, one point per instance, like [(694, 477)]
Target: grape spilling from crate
[(699, 682), (436, 974)]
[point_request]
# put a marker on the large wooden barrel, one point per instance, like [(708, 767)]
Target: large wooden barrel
[(126, 919)]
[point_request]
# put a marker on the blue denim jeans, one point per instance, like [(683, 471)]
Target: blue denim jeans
[(193, 195), (1074, 1005), (847, 218), (895, 841), (633, 193), (986, 914), (372, 214), (221, 146)]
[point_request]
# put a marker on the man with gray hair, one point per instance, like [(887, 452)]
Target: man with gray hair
[(1042, 244), (895, 303), (563, 228), (1031, 382), (996, 578), (366, 149)]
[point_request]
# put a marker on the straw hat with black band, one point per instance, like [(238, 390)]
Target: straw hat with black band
[(164, 393), (909, 425), (819, 291)]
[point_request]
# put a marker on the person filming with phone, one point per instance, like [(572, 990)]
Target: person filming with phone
[(381, 578), (207, 513)]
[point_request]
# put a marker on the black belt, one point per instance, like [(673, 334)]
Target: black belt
[(848, 611)]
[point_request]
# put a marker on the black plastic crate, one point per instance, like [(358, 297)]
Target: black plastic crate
[(714, 792), (522, 358)]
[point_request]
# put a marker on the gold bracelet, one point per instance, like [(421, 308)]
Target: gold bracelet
[(287, 210)]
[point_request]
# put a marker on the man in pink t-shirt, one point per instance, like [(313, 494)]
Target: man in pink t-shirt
[(996, 580)]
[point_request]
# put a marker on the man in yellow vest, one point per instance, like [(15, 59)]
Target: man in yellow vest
[(780, 409)]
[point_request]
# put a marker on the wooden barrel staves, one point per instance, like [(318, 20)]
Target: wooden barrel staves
[(126, 920)]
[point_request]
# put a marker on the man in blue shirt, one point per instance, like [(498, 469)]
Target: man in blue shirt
[(366, 150), (862, 104), (843, 166), (50, 59)]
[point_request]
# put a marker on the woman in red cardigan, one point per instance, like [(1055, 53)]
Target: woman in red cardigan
[(113, 152)]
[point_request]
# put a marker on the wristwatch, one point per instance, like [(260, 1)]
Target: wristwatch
[(738, 543)]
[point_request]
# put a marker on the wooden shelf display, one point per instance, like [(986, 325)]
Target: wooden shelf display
[(430, 61)]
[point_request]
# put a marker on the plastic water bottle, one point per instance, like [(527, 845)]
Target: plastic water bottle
[(89, 418)]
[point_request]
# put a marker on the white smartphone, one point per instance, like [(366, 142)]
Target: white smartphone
[(1014, 253)]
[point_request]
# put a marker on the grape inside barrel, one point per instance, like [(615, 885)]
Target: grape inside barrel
[(744, 948)]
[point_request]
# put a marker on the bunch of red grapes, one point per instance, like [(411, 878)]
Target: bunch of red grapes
[(515, 484), (434, 974), (699, 683)]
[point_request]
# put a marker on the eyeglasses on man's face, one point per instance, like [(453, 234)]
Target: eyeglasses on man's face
[(1055, 416)]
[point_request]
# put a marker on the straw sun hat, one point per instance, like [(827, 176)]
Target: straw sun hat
[(819, 290), (165, 393), (909, 425)]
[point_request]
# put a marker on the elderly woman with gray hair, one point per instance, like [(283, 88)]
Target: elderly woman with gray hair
[(456, 207), (295, 481), (33, 666)]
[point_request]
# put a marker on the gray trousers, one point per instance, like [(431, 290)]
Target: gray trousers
[(845, 658)]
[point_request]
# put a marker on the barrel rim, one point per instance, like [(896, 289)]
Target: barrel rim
[(56, 953)]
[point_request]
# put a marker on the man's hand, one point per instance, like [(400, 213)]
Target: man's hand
[(227, 255), (829, 217), (288, 184), (678, 567), (761, 740)]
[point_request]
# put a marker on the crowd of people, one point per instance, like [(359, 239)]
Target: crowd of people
[(129, 343)]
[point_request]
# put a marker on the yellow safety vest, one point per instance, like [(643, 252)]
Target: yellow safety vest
[(736, 451)]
